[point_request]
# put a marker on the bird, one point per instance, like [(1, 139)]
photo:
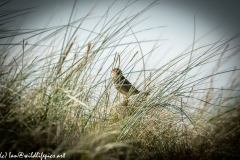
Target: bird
[(122, 84)]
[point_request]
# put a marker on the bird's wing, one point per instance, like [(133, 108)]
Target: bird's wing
[(124, 86), (125, 81), (122, 81)]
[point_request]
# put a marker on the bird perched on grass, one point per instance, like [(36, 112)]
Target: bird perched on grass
[(122, 84)]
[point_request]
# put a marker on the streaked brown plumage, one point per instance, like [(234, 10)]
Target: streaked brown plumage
[(122, 84)]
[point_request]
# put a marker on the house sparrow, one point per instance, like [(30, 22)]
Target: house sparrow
[(122, 84)]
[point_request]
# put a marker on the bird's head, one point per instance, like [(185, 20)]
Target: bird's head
[(116, 72)]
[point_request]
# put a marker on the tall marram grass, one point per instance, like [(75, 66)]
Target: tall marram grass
[(65, 103)]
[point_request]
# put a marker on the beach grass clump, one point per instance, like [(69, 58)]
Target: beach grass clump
[(63, 101)]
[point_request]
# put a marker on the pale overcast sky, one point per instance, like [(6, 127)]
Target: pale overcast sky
[(177, 16)]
